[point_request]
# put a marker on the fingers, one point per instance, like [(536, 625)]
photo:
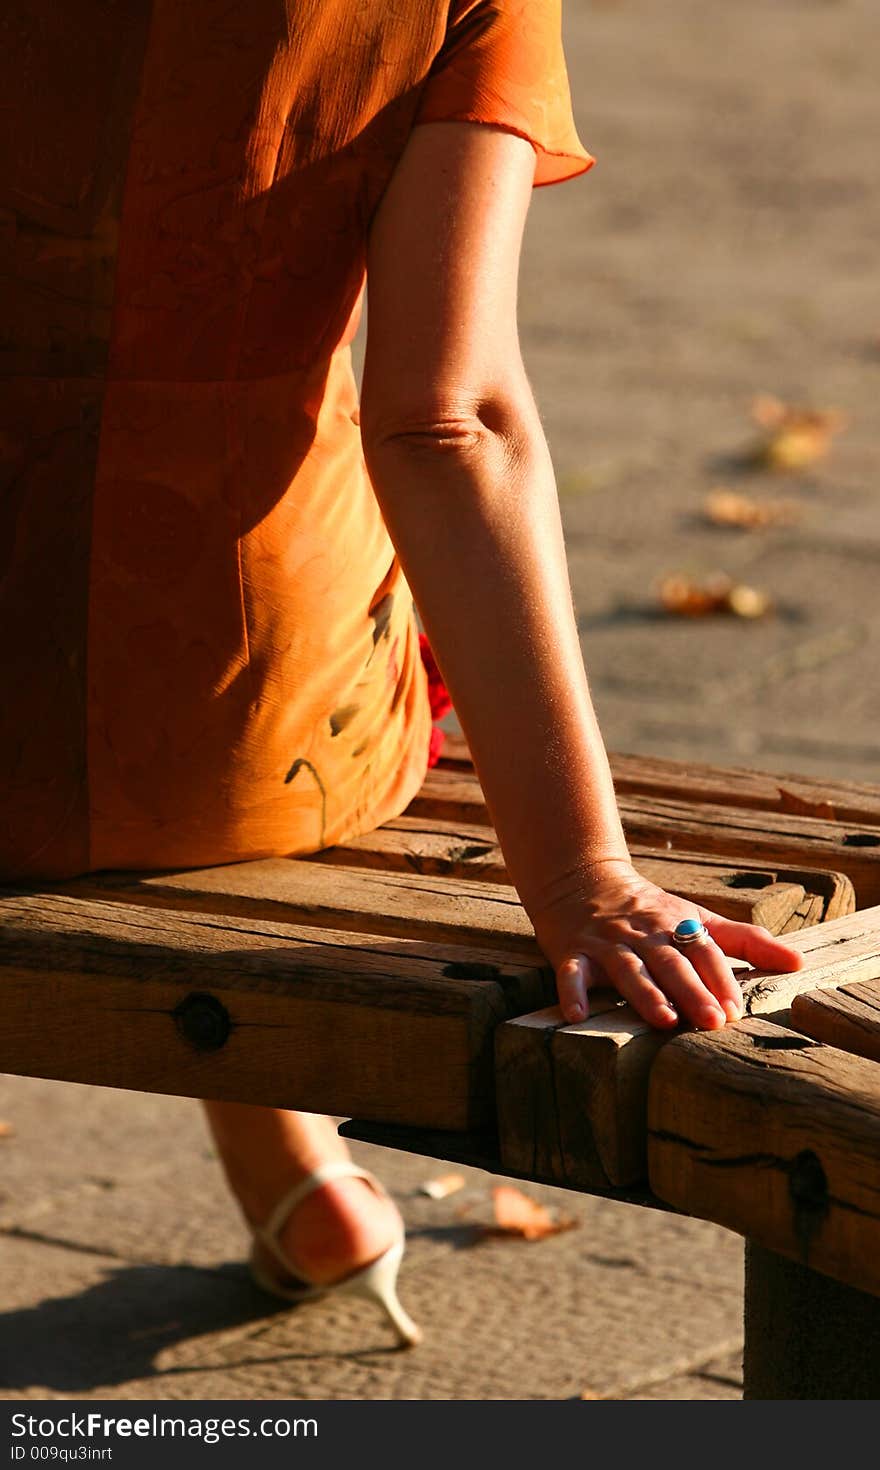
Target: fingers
[(754, 943), (629, 975), (573, 979), (699, 981), (661, 984), (626, 974)]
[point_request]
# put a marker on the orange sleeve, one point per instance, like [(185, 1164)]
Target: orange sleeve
[(502, 62)]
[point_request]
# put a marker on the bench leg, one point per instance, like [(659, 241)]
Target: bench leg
[(807, 1336)]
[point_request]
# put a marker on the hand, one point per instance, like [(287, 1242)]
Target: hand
[(615, 931)]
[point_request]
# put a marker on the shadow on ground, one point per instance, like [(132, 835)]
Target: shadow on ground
[(113, 1332)]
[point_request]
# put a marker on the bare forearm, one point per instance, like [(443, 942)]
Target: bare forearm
[(475, 521), (459, 462)]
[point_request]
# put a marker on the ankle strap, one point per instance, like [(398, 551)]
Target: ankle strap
[(338, 1169)]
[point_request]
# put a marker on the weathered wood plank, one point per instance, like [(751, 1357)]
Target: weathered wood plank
[(836, 953), (768, 837), (806, 913), (357, 899), (798, 795), (461, 909), (429, 847), (574, 1097), (292, 1016), (807, 1336), (742, 889), (777, 898), (454, 797), (835, 800), (848, 1018), (775, 1136)]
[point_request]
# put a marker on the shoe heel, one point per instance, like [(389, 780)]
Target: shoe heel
[(378, 1282)]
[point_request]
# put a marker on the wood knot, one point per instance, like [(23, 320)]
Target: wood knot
[(808, 1191), (807, 1181), (203, 1021)]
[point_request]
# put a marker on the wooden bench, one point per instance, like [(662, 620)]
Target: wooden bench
[(396, 981)]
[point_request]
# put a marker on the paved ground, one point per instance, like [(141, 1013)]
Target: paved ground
[(724, 246), (123, 1278)]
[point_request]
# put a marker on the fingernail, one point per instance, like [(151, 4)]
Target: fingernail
[(733, 1010), (576, 1012), (668, 1014)]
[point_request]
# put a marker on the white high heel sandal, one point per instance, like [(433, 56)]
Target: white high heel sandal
[(377, 1280)]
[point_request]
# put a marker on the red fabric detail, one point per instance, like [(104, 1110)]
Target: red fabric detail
[(435, 748), (438, 697), (438, 694)]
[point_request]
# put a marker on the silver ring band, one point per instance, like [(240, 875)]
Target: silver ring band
[(689, 935)]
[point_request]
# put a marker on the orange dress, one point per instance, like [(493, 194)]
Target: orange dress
[(209, 649)]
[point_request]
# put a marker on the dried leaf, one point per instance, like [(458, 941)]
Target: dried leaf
[(443, 1185), (768, 411), (691, 599), (518, 1215), (729, 508), (7, 1130), (793, 449), (747, 602), (717, 594), (795, 436)]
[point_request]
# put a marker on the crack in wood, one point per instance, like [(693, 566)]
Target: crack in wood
[(784, 1043), (547, 1040)]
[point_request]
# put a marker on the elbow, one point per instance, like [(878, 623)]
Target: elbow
[(431, 436), (437, 432)]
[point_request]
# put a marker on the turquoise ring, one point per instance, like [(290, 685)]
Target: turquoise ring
[(689, 931)]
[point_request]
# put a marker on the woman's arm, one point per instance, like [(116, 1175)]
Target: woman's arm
[(460, 466)]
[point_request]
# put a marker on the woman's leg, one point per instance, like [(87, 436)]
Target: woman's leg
[(264, 1151)]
